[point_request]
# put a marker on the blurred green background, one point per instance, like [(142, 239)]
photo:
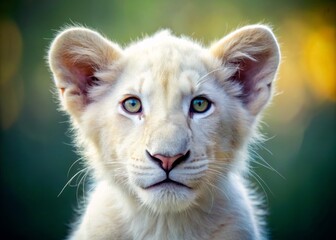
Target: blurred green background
[(36, 151)]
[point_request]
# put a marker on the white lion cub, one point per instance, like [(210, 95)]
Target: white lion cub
[(164, 126)]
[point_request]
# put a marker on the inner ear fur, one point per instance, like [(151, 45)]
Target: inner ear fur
[(254, 54), (74, 57)]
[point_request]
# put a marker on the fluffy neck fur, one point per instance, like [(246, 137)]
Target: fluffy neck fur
[(122, 216)]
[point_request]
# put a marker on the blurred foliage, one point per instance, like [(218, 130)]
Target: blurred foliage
[(35, 148)]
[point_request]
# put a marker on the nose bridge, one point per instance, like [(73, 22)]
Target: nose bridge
[(169, 137)]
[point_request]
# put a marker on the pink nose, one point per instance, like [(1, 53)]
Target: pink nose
[(167, 162)]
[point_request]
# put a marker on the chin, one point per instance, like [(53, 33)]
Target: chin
[(167, 197)]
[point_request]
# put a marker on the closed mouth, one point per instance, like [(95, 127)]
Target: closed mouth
[(167, 181)]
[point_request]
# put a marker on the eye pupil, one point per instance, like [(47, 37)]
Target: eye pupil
[(132, 105), (132, 102), (199, 102)]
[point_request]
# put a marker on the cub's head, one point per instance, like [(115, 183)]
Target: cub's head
[(165, 120)]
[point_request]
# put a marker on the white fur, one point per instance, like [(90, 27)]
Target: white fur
[(166, 72)]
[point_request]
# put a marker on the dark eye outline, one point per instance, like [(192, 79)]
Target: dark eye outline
[(123, 103), (193, 110)]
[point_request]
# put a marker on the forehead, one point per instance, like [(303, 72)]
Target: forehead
[(164, 62)]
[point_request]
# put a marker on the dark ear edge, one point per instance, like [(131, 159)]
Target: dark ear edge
[(254, 54), (74, 57)]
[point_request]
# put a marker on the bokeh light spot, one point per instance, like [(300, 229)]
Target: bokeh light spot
[(11, 86), (319, 58)]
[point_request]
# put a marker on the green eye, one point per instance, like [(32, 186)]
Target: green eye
[(200, 105), (132, 105)]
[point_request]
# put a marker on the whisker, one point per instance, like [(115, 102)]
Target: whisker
[(255, 176), (202, 79), (73, 177), (73, 164), (262, 180), (81, 181), (264, 163)]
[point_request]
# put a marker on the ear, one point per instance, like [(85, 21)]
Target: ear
[(75, 56), (254, 54)]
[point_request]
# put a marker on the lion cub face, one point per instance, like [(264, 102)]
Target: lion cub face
[(164, 119)]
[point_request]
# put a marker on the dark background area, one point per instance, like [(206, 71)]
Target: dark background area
[(35, 143)]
